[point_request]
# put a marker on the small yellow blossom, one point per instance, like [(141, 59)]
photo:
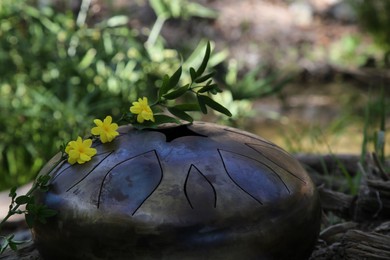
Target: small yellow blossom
[(80, 151), (106, 129), (142, 110)]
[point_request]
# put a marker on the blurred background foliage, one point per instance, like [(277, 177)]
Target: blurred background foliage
[(58, 73), (60, 68), (374, 16)]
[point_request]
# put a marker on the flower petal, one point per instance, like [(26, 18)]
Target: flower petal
[(113, 127), (96, 130), (98, 122), (103, 138), (87, 142), (140, 119), (85, 157), (108, 120)]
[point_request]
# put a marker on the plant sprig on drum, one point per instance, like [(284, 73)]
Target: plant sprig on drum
[(142, 115)]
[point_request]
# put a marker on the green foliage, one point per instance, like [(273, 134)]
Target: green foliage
[(201, 87), (9, 241), (351, 51), (34, 212), (181, 8), (374, 129), (58, 73), (253, 84), (374, 16)]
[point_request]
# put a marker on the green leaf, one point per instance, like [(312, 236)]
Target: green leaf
[(175, 8), (12, 192), (108, 43), (170, 82), (87, 59), (162, 119), (205, 77), (205, 60), (159, 7), (17, 242), (41, 220), (215, 90), (5, 243), (44, 188), (46, 212), (157, 110), (207, 88), (193, 74), (198, 10), (214, 105), (119, 20), (187, 107), (43, 180), (176, 93), (31, 207), (180, 114), (202, 104), (12, 245), (164, 87), (30, 219), (174, 79), (21, 200)]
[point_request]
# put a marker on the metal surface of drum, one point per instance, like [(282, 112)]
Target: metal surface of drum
[(198, 191)]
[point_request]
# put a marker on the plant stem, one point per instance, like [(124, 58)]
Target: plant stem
[(13, 210)]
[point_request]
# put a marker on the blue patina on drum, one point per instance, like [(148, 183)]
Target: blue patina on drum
[(197, 191)]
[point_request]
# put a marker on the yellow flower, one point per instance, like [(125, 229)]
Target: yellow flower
[(142, 109), (106, 129), (80, 151)]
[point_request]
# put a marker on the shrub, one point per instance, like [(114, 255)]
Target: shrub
[(57, 75)]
